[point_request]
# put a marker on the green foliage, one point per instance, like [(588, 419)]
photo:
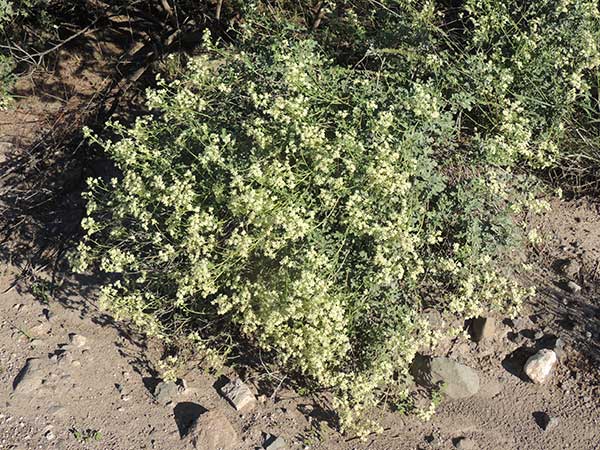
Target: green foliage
[(6, 81), (313, 199)]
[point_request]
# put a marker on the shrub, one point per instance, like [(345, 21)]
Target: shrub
[(300, 204), (315, 199)]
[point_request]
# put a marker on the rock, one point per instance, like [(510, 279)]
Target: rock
[(573, 287), (276, 443), (238, 394), (165, 392), (539, 366), (522, 323), (483, 328), (459, 381), (30, 378), (560, 349), (465, 444), (77, 340), (570, 268), (212, 431), (538, 335), (545, 421)]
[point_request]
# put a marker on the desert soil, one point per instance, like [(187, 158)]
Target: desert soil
[(71, 377)]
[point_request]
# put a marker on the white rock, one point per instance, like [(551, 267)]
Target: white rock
[(239, 395), (539, 366), (77, 340)]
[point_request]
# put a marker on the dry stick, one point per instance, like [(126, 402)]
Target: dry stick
[(218, 12), (320, 16), (167, 7)]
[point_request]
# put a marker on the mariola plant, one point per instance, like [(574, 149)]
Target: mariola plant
[(300, 206)]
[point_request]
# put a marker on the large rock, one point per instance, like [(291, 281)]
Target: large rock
[(212, 431), (458, 380), (239, 395), (539, 366)]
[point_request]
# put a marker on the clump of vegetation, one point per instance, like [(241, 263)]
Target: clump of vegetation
[(314, 205)]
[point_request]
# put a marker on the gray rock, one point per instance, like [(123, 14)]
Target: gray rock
[(483, 328), (539, 366), (573, 287), (30, 378), (212, 431), (465, 444), (458, 380), (165, 392), (276, 444), (239, 395)]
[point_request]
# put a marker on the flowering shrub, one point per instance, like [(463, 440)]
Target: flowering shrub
[(301, 204), (315, 208)]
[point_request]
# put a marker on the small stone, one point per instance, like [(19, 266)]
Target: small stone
[(465, 444), (522, 323), (276, 444), (183, 386), (483, 328), (77, 340), (238, 394), (49, 435), (30, 378), (539, 366), (570, 268), (545, 421), (573, 287), (559, 349), (76, 363), (165, 392), (459, 381), (211, 431), (538, 335)]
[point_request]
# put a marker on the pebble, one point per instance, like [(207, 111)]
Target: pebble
[(539, 366), (571, 268), (77, 340), (559, 349), (465, 444), (538, 335), (238, 394), (573, 287), (547, 422), (276, 444)]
